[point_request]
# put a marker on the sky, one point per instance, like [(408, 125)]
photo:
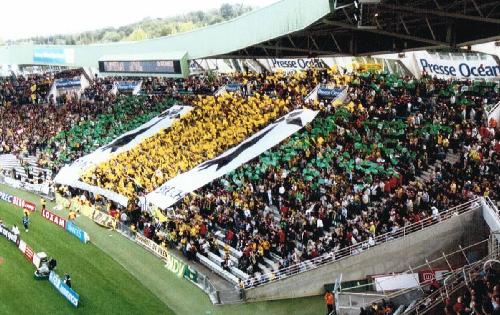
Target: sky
[(27, 18)]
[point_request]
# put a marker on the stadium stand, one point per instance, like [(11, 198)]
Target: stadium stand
[(23, 90), (397, 152), (400, 145), (296, 224)]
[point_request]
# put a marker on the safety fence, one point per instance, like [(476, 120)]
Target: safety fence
[(172, 262), (451, 285), (352, 250)]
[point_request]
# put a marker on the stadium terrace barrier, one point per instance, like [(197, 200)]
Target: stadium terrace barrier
[(68, 293), (352, 250), (27, 251), (172, 262), (17, 201), (69, 226), (40, 189), (493, 111), (453, 282)]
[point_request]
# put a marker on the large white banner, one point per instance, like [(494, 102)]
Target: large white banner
[(70, 174), (461, 68), (179, 186)]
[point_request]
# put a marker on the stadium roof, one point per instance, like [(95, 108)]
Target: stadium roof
[(293, 28), (382, 26)]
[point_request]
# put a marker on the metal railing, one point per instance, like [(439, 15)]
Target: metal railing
[(492, 108), (492, 205), (356, 249), (202, 282), (456, 280), (453, 282), (390, 295)]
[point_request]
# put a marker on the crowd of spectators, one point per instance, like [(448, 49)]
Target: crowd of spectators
[(58, 130), (479, 297), (479, 294), (20, 90), (351, 175), (126, 113), (213, 126)]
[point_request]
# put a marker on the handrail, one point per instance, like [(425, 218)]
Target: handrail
[(492, 109), (397, 293), (458, 276), (352, 250), (491, 204)]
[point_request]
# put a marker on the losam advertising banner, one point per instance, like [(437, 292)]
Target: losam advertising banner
[(65, 291), (72, 228), (70, 174), (181, 185), (459, 67), (54, 218), (17, 201), (69, 226)]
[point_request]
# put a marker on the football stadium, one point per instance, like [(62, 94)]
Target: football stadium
[(275, 157)]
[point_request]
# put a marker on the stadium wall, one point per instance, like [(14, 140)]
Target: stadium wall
[(395, 256)]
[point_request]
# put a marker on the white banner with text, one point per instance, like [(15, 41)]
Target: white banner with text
[(185, 183)]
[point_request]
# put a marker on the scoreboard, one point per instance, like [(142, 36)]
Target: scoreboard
[(141, 66)]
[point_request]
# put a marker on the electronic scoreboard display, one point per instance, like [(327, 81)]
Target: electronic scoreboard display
[(142, 66)]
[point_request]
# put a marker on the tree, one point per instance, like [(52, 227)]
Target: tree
[(185, 27), (199, 17), (111, 36), (166, 30), (227, 11), (147, 28), (137, 35)]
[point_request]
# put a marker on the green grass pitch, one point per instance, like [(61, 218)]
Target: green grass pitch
[(111, 274), (104, 286)]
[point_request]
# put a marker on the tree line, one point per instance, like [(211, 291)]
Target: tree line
[(145, 29)]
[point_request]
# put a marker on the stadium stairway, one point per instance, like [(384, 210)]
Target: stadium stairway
[(9, 161), (426, 175), (25, 169)]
